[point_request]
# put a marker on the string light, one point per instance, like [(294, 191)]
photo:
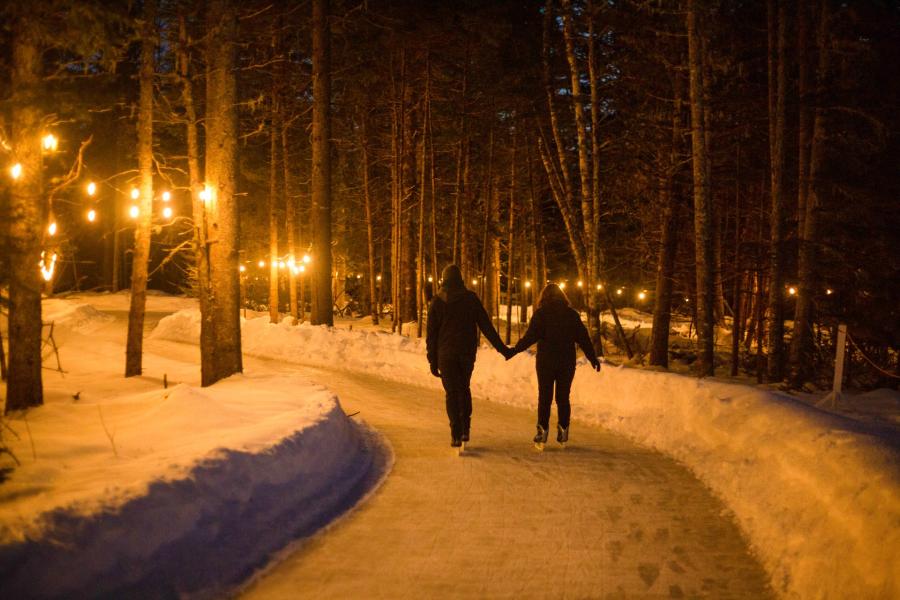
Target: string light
[(167, 212), (49, 142), (295, 270), (135, 193), (291, 263), (301, 268), (580, 283), (280, 264), (378, 278), (528, 284), (242, 268), (15, 171), (599, 286), (306, 258), (475, 281), (47, 270), (792, 290), (642, 295), (134, 211), (686, 299), (619, 292), (51, 228), (91, 188), (562, 285), (829, 291), (430, 278), (261, 264), (166, 196), (92, 215)]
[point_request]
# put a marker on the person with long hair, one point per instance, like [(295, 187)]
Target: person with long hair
[(557, 328), (454, 318)]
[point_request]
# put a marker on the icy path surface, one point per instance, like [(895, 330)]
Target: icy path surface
[(603, 518)]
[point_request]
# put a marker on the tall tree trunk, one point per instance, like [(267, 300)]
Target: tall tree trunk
[(290, 217), (140, 258), (594, 298), (198, 206), (370, 224), (27, 213), (703, 213), (802, 343), (778, 83), (510, 245), (221, 174), (540, 268), (274, 276), (321, 161), (421, 267)]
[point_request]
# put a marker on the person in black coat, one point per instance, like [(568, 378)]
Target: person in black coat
[(454, 318), (557, 328)]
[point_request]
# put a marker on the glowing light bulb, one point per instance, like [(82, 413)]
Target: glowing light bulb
[(792, 290), (295, 270), (642, 295), (580, 283), (15, 171), (167, 212), (135, 193), (51, 229), (49, 142), (92, 215), (358, 276), (599, 286), (619, 292), (134, 211), (291, 262), (378, 278), (306, 258), (430, 279), (829, 291), (475, 282), (562, 285), (91, 188), (280, 264), (301, 268), (686, 299), (166, 196), (528, 284), (242, 268), (47, 269), (261, 264)]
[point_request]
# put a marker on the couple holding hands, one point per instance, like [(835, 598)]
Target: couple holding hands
[(454, 318)]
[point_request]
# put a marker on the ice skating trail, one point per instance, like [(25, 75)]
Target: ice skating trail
[(601, 519)]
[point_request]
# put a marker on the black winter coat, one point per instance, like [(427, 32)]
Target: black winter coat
[(556, 328), (454, 318)]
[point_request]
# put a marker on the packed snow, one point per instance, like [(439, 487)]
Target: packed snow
[(125, 484), (818, 495)]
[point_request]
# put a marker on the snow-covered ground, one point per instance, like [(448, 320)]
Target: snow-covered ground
[(818, 495), (124, 484)]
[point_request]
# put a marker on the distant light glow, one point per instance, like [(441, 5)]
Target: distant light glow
[(280, 264), (619, 292), (599, 286), (167, 212), (562, 285), (135, 193), (91, 188), (378, 278), (430, 278), (92, 215), (792, 290), (242, 268), (51, 229), (295, 270), (642, 295), (829, 291), (307, 258), (291, 263), (580, 283), (47, 269), (475, 282), (49, 142), (15, 171), (261, 264), (166, 196), (301, 268), (686, 299), (528, 284), (134, 211)]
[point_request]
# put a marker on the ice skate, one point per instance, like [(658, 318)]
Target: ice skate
[(540, 438), (562, 435), (456, 445)]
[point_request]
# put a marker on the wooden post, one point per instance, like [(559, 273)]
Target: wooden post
[(835, 394)]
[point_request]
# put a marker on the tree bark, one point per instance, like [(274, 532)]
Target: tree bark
[(510, 245), (370, 224), (140, 258), (321, 161), (703, 214), (274, 140), (802, 343), (778, 84), (27, 213), (221, 172), (290, 217)]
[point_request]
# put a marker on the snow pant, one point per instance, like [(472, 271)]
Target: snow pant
[(456, 373), (561, 376)]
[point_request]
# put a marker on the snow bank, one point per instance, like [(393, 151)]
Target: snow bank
[(81, 318), (125, 497), (818, 497)]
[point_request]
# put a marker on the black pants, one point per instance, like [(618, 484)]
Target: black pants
[(561, 376), (456, 373)]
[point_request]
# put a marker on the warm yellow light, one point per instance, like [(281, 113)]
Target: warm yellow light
[(580, 283), (166, 196), (378, 278), (307, 258), (15, 171), (829, 291), (91, 188), (619, 292), (301, 268), (135, 193), (167, 212), (599, 286), (291, 263), (430, 279), (134, 211), (792, 290), (51, 229), (242, 268), (294, 270), (562, 285), (261, 264), (642, 295), (92, 215), (528, 284), (358, 276), (280, 264), (686, 299), (49, 142), (47, 269), (474, 282)]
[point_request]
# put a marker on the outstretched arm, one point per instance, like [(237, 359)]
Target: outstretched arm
[(487, 328), (431, 333), (532, 334), (583, 339)]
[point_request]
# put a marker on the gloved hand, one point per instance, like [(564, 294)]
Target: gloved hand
[(435, 371), (596, 365)]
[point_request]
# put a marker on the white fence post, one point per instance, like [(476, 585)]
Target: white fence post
[(840, 349)]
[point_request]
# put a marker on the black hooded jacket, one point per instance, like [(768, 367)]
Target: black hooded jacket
[(557, 327), (454, 318)]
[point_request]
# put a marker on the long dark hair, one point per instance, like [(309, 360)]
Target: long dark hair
[(552, 293)]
